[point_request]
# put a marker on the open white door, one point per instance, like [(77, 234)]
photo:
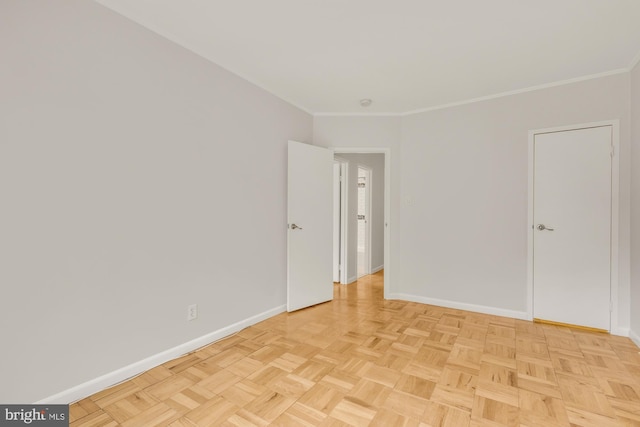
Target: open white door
[(310, 228)]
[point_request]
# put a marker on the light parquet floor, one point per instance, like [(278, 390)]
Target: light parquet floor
[(361, 360)]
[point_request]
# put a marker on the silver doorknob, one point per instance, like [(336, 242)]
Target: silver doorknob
[(295, 227), (543, 227)]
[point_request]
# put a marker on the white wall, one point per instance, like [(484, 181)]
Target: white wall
[(136, 178), (368, 132), (635, 204), (464, 191), (376, 163), (460, 220)]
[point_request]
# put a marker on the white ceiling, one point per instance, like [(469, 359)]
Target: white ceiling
[(406, 55)]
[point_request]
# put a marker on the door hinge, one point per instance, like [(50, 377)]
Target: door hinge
[(613, 151)]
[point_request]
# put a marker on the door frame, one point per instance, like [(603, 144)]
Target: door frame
[(344, 225), (337, 226), (387, 205), (615, 209)]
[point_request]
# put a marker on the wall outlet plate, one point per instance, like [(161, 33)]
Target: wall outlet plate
[(192, 312)]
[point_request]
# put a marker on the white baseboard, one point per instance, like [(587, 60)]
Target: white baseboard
[(623, 332), (354, 278), (463, 306), (634, 337), (98, 384), (378, 268)]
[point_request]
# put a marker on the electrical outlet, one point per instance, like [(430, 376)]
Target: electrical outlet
[(192, 312)]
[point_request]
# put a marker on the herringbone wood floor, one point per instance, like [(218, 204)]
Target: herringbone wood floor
[(361, 360)]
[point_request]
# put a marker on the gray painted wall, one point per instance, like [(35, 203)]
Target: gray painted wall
[(459, 188), (123, 197), (465, 174), (635, 203), (369, 132), (376, 163)]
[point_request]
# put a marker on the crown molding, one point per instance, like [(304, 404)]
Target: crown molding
[(518, 91), (327, 114), (483, 98)]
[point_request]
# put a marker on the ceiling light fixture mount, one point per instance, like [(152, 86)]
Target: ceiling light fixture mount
[(365, 102)]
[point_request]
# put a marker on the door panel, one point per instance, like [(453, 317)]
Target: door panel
[(364, 222), (572, 202), (310, 208)]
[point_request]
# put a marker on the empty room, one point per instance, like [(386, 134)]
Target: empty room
[(337, 213)]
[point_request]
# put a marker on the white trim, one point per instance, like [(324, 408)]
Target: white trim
[(102, 382), (634, 337), (337, 226), (615, 328), (352, 279), (387, 206), (378, 268), (518, 91), (621, 332), (344, 225), (523, 315), (530, 173), (615, 227), (329, 114)]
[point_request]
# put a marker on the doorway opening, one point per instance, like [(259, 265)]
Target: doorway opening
[(340, 170), (377, 162)]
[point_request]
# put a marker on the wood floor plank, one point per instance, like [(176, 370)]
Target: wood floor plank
[(492, 412), (353, 412), (130, 406), (95, 419), (151, 377), (168, 387), (243, 392), (540, 410), (361, 360), (437, 415), (300, 415), (386, 418), (157, 415), (81, 409)]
